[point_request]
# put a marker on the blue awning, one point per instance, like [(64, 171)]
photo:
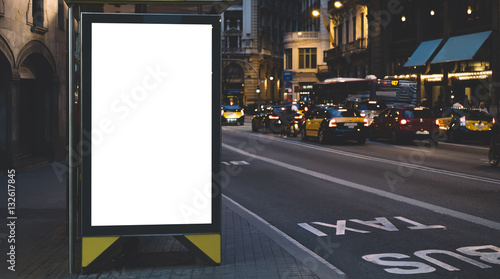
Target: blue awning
[(423, 52), (461, 47)]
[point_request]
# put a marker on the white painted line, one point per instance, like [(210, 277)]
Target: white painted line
[(463, 145), (396, 163), (315, 263), (401, 147), (312, 229), (357, 186)]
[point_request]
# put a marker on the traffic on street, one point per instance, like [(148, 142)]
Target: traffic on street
[(382, 209)]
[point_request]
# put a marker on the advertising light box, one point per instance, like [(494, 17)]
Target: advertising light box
[(150, 124)]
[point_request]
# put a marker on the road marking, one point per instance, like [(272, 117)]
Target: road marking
[(312, 229), (357, 186), (395, 163), (235, 163), (315, 263), (463, 145), (401, 147), (412, 267)]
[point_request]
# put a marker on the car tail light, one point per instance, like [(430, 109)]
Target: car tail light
[(493, 120), (366, 123), (403, 121), (306, 109), (362, 114), (222, 112), (332, 123), (298, 117), (273, 117), (436, 122), (462, 121), (242, 112)]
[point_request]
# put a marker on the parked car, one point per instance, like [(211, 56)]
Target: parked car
[(405, 123), (367, 108), (232, 115), (461, 123), (329, 123), (268, 119)]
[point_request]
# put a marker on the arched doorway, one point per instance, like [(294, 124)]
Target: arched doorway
[(35, 107)]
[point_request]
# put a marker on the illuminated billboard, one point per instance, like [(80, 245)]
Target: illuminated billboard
[(150, 124)]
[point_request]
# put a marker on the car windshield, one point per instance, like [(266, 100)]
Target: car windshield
[(231, 108), (371, 106), (333, 112), (418, 113)]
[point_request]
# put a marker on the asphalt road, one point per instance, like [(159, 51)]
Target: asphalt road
[(375, 210)]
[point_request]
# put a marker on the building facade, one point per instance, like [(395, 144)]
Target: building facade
[(450, 47), (32, 81), (252, 50), (304, 50), (348, 56)]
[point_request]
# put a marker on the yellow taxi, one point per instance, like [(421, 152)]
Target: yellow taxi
[(462, 123), (232, 115), (329, 123)]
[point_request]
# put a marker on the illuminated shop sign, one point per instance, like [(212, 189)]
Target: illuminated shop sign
[(459, 76)]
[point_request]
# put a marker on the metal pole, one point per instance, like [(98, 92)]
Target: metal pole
[(71, 69)]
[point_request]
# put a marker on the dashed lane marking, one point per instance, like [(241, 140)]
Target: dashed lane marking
[(364, 188)]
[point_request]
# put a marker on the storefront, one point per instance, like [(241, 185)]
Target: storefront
[(457, 69), (304, 91)]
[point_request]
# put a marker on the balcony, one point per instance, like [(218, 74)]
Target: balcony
[(357, 46), (233, 50), (304, 35)]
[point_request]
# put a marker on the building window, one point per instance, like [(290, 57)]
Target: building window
[(307, 58), (347, 31), (37, 13), (362, 25), (234, 42), (288, 58), (354, 28), (339, 33)]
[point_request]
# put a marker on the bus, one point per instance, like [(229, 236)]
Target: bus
[(389, 91)]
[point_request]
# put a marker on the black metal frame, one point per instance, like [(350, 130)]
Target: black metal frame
[(168, 229)]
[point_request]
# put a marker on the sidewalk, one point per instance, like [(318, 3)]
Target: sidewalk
[(247, 251)]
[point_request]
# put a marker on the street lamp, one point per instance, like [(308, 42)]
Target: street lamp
[(316, 13), (337, 4)]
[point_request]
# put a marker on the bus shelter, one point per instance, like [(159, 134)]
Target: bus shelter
[(129, 175)]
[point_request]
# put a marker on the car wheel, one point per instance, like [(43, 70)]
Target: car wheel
[(493, 156), (322, 138), (254, 127), (303, 135), (361, 140)]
